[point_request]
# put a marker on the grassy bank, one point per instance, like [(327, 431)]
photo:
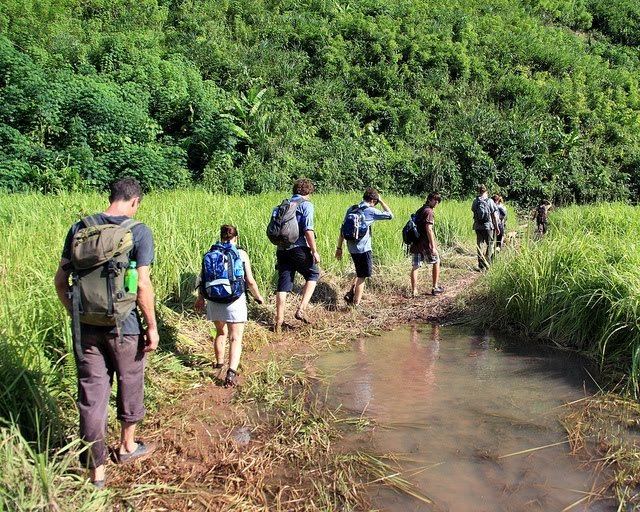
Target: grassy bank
[(37, 374), (579, 286)]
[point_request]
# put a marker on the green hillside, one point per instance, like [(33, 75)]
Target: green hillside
[(534, 97)]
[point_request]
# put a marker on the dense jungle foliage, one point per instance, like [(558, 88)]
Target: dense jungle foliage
[(534, 97)]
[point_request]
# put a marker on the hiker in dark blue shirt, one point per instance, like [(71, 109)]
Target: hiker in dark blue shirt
[(356, 230)]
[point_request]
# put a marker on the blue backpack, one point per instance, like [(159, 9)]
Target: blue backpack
[(222, 274), (354, 226)]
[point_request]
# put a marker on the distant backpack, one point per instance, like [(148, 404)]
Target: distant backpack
[(99, 259), (481, 211), (283, 229), (222, 278), (410, 231), (354, 227), (541, 214)]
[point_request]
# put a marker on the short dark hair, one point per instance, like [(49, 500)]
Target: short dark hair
[(497, 198), (303, 187), (434, 196), (371, 194), (482, 188), (228, 232), (125, 189)]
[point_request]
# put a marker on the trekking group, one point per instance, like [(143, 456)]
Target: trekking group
[(103, 280)]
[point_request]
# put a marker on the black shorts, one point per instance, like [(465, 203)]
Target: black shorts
[(298, 259), (364, 263)]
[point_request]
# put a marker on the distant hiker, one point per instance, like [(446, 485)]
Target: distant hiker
[(108, 257), (423, 245), (225, 278), (486, 224), (291, 230), (502, 220), (356, 230), (541, 215)]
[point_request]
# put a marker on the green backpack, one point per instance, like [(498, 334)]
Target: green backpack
[(99, 259)]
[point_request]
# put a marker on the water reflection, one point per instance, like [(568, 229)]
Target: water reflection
[(461, 408)]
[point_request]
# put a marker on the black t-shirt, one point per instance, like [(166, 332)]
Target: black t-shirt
[(142, 253)]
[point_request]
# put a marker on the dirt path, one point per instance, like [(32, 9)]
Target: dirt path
[(205, 460)]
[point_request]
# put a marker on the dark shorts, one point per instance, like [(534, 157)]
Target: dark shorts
[(364, 263), (298, 259)]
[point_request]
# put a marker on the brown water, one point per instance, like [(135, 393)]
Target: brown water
[(456, 409)]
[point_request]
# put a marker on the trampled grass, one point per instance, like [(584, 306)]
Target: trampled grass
[(579, 286)]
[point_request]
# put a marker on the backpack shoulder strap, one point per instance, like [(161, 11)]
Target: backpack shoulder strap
[(91, 220), (129, 223)]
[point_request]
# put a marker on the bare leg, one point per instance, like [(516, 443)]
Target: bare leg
[(281, 300), (414, 281), (307, 291), (127, 437), (435, 274), (96, 474), (359, 289), (236, 330), (221, 341)]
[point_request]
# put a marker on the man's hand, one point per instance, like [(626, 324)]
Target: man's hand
[(316, 257), (199, 304), (339, 253), (151, 340)]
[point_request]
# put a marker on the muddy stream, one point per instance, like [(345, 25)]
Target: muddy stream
[(460, 410)]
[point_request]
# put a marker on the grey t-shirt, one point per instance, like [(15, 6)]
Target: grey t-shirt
[(488, 226), (142, 253)]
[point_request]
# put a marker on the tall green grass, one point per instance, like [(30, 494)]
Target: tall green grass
[(36, 480), (579, 286), (36, 372)]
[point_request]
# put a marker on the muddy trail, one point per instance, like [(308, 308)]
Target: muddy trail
[(268, 444)]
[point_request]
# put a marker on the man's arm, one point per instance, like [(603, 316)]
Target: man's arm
[(146, 303), (339, 246), (386, 213), (310, 237), (61, 282), (432, 240)]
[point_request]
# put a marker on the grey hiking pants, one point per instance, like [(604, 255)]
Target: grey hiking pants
[(485, 245), (104, 355)]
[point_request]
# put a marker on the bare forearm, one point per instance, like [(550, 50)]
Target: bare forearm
[(146, 303), (254, 290), (432, 239), (310, 236), (61, 282)]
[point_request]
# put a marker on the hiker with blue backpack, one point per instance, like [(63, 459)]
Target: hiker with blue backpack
[(223, 283), (291, 230), (486, 224), (418, 234), (356, 230)]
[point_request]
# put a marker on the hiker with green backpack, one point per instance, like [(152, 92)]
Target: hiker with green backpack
[(291, 230), (486, 224), (356, 230), (102, 280), (223, 283)]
